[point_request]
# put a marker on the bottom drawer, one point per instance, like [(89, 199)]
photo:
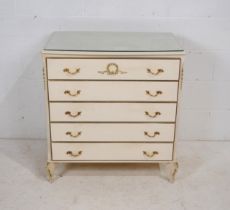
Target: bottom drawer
[(112, 151)]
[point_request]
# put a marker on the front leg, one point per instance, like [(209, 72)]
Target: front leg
[(50, 167), (169, 170)]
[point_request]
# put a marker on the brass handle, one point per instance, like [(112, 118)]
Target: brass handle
[(150, 154), (112, 69), (158, 92), (68, 92), (152, 116), (156, 72), (72, 115), (73, 135), (68, 71), (74, 154), (151, 136)]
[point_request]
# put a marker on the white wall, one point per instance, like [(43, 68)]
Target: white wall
[(202, 26)]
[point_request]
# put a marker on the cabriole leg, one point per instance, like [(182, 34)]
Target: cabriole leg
[(169, 170), (50, 167)]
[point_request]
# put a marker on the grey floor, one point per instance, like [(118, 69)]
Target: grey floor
[(202, 183)]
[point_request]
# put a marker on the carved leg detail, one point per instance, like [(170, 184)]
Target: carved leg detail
[(169, 170), (50, 167)]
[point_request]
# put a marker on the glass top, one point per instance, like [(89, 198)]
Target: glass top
[(112, 42)]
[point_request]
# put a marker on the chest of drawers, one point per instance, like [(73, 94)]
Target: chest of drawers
[(112, 97)]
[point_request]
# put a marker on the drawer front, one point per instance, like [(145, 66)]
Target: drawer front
[(139, 132), (112, 91), (112, 151), (113, 69), (114, 112)]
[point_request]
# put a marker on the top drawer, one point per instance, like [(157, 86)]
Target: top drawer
[(113, 69)]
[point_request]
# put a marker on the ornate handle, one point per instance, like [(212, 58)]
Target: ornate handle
[(158, 92), (72, 115), (68, 92), (67, 70), (73, 135), (156, 72), (150, 154), (112, 69), (151, 136), (152, 116), (74, 154)]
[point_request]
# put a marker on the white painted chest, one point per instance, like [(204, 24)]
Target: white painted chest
[(112, 97)]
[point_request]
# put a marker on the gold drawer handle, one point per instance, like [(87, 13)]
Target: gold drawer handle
[(156, 133), (152, 116), (158, 92), (72, 115), (112, 69), (156, 72), (74, 154), (68, 71), (68, 92), (150, 154), (73, 135)]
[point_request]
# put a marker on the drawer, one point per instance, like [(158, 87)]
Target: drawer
[(138, 132), (114, 112), (112, 151), (113, 69), (112, 91)]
